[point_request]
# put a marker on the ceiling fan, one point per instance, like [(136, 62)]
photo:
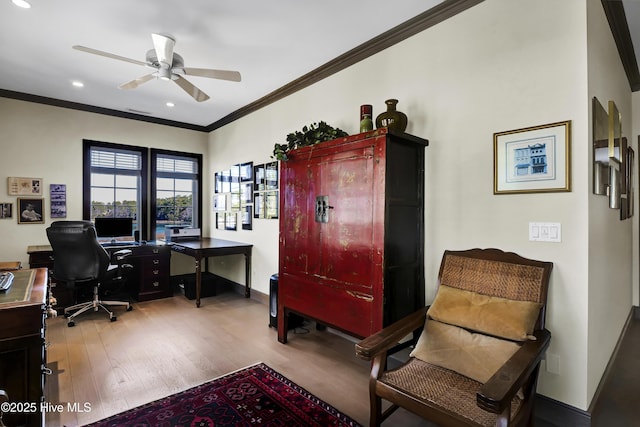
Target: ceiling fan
[(169, 66)]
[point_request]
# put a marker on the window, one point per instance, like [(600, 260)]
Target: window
[(116, 186), (176, 190), (115, 183)]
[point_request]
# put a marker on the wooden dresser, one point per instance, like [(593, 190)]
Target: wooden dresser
[(351, 232), (23, 354)]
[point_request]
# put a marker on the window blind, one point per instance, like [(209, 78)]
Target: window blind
[(115, 159)]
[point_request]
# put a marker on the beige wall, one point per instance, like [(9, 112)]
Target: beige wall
[(501, 65), (46, 142), (610, 240)]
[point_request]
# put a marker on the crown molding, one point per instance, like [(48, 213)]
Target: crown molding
[(419, 23), (614, 10)]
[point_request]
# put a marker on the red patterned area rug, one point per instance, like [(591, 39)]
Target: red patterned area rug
[(253, 396)]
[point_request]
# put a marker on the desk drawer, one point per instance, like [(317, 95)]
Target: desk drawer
[(154, 272), (41, 259)]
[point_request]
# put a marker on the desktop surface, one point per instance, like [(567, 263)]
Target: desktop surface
[(20, 290), (132, 243), (119, 244)]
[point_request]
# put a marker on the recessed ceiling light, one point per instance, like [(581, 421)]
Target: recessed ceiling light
[(77, 83), (170, 104), (22, 3)]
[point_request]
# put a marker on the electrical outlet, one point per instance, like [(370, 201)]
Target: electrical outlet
[(552, 362)]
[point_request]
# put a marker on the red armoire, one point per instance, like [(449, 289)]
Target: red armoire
[(352, 232)]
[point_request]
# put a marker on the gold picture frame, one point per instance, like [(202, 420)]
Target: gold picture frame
[(536, 159)]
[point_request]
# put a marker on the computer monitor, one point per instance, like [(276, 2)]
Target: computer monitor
[(113, 227)]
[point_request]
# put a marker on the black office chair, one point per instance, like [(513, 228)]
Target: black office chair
[(79, 259)]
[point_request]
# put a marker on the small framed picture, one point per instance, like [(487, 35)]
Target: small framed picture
[(24, 186), (533, 160), (6, 210), (58, 200), (30, 211), (230, 221), (247, 218), (246, 172)]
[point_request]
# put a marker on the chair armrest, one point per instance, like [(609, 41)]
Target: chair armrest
[(388, 337), (121, 254), (497, 393)]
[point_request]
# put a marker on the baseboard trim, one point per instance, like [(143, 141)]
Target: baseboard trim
[(559, 414), (633, 313), (255, 295)]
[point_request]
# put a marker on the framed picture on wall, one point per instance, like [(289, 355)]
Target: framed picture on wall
[(271, 204), (246, 172), (6, 210), (30, 211), (247, 218), (58, 200), (220, 220), (24, 186), (231, 221), (533, 160)]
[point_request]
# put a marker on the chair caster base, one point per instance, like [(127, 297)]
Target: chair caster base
[(114, 318), (71, 324), (130, 308)]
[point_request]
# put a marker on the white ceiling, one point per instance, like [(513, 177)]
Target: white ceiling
[(271, 43)]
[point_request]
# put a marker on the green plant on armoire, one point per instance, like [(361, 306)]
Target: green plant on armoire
[(309, 135)]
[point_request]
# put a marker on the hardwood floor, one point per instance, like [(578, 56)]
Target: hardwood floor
[(168, 345)]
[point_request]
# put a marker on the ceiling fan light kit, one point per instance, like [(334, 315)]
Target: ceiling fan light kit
[(168, 65)]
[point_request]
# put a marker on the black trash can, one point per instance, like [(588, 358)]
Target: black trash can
[(294, 320)]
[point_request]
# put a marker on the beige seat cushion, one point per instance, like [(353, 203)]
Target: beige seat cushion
[(473, 355), (491, 315)]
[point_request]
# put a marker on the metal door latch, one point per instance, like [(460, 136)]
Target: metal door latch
[(322, 209)]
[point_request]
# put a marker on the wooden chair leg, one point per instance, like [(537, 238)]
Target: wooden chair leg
[(375, 416), (378, 365), (504, 418)]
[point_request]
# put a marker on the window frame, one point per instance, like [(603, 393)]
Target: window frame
[(155, 153), (87, 145)]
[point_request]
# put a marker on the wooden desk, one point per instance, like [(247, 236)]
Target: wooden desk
[(150, 278), (22, 344), (207, 247)]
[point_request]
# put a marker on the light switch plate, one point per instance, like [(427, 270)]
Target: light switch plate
[(545, 232)]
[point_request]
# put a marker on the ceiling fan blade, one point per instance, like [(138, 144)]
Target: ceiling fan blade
[(164, 48), (137, 82), (108, 55), (193, 91), (233, 76)]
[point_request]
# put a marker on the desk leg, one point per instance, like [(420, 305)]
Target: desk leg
[(198, 280), (247, 275)]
